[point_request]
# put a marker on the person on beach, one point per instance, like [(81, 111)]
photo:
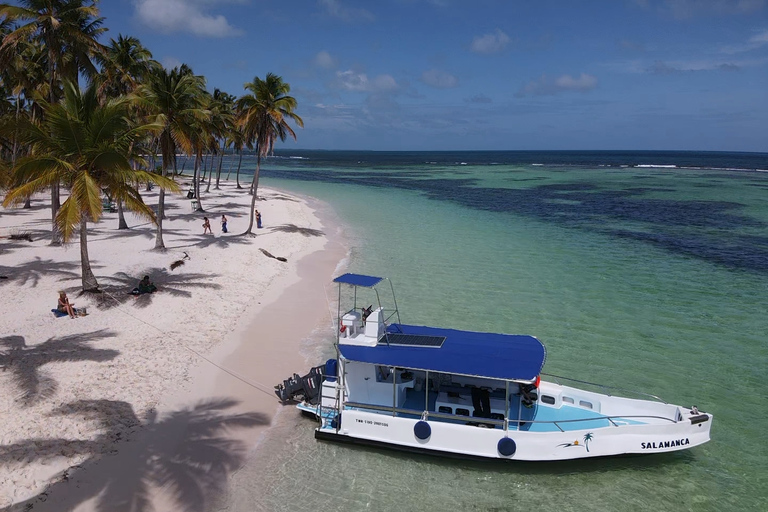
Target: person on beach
[(207, 226), (258, 219), (64, 305), (145, 286), (223, 224)]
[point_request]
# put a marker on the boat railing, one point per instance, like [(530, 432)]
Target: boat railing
[(502, 423), (608, 389)]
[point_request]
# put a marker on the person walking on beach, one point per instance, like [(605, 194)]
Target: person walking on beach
[(207, 226), (258, 219), (223, 224), (64, 305)]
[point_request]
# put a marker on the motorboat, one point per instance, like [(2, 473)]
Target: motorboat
[(470, 394)]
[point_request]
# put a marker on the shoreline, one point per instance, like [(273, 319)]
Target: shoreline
[(142, 384)]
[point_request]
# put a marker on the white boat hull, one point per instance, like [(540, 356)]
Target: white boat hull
[(470, 441)]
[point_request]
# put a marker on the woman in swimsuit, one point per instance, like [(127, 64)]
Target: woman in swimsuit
[(64, 305)]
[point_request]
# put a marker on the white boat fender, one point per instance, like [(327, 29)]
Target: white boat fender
[(422, 430), (507, 446)]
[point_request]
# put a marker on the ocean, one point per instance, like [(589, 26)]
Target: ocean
[(642, 270)]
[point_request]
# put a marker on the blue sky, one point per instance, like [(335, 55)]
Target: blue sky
[(483, 74)]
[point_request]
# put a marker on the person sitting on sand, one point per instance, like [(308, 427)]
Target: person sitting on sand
[(64, 305), (145, 286), (207, 226)]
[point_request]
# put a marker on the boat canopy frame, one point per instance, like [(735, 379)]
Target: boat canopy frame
[(363, 281)]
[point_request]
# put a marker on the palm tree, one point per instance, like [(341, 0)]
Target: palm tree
[(85, 145), (264, 118), (176, 98), (236, 139), (222, 118), (68, 31), (126, 64)]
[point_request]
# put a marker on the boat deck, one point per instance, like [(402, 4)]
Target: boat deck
[(539, 418)]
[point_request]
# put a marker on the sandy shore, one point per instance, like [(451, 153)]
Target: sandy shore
[(152, 401)]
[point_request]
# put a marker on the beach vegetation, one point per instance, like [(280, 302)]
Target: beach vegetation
[(176, 99), (125, 65), (47, 44), (67, 31), (264, 114), (85, 145)]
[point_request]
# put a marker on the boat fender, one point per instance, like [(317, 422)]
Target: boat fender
[(537, 382), (336, 422), (507, 447), (342, 327), (422, 430)]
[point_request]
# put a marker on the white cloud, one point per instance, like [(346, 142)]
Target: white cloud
[(756, 41), (564, 83), (185, 16), (439, 79), (324, 60), (490, 43), (170, 62), (683, 9), (359, 82), (761, 38), (334, 9)]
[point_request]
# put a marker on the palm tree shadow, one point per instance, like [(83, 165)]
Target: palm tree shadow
[(31, 271), (176, 284), (206, 241), (188, 453), (25, 362), (293, 228)]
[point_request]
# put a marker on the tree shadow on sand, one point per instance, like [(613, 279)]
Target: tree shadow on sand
[(187, 453), (118, 291), (25, 362), (293, 228), (203, 241), (31, 271)]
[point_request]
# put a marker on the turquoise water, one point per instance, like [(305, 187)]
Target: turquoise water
[(652, 279)]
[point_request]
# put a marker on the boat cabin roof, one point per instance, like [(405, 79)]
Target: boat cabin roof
[(478, 354), (358, 280)]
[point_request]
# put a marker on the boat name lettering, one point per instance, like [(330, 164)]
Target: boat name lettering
[(374, 423), (665, 444)]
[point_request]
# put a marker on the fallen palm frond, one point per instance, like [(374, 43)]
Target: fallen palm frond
[(270, 255), (20, 235), (176, 264)]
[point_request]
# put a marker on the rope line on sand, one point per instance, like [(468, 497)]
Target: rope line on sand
[(256, 385)]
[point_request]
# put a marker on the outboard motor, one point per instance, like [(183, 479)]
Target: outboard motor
[(301, 388)]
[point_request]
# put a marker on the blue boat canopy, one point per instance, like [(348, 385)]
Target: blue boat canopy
[(358, 280), (477, 354)]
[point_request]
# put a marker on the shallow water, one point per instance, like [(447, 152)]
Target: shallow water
[(652, 279)]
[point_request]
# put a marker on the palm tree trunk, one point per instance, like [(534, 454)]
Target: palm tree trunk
[(231, 165), (240, 161), (89, 280), (210, 177), (55, 205), (121, 224), (254, 187), (152, 168), (28, 203), (198, 160), (218, 171), (159, 244)]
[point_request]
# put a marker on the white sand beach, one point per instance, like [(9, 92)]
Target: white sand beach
[(152, 399)]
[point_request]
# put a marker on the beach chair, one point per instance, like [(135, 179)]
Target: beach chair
[(108, 205)]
